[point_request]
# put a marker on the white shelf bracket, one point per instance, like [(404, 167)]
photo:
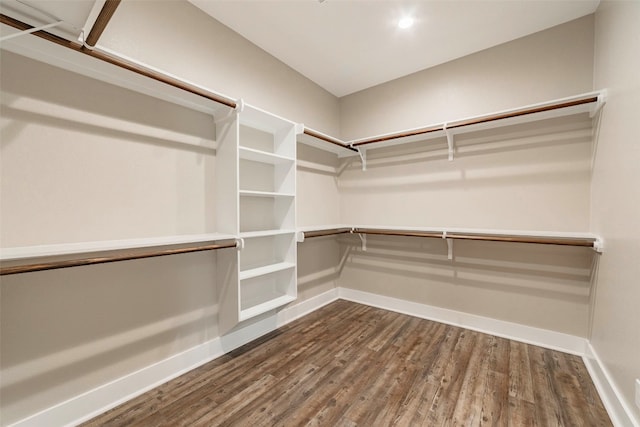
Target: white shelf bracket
[(602, 99), (450, 141), (31, 30), (232, 112), (299, 128), (363, 240), (598, 245), (240, 243), (300, 236), (362, 152), (449, 245)]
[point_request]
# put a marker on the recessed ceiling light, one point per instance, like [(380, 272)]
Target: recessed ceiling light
[(405, 22)]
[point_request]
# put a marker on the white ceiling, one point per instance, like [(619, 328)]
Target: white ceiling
[(346, 46)]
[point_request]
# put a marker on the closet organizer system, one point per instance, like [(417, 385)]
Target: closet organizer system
[(256, 183)]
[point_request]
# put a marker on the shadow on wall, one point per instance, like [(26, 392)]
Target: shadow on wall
[(539, 271), (318, 265), (68, 331), (38, 93), (509, 147)]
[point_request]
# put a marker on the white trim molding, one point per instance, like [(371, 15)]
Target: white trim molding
[(619, 410), (107, 396), (527, 334)]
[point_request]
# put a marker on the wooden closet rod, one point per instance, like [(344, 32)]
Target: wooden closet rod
[(543, 240), (107, 11), (328, 139), (7, 20), (398, 135), (476, 121), (53, 265), (331, 232), (523, 112), (436, 234)]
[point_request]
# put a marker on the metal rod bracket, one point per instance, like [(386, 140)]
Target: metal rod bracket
[(362, 152), (598, 245), (363, 240), (450, 141), (449, 245), (300, 236), (31, 30), (240, 243), (233, 112)]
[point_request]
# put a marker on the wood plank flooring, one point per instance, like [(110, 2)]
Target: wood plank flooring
[(352, 365)]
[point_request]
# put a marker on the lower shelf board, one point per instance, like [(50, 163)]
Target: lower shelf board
[(257, 309), (267, 269)]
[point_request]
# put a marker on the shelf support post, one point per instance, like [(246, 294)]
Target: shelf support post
[(362, 152), (450, 141), (363, 241), (449, 245)]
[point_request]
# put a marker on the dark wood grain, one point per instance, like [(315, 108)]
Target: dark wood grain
[(116, 257), (328, 139), (107, 11), (331, 232), (352, 365), (523, 112), (119, 62)]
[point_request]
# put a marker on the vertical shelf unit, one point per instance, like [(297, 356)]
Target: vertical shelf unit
[(257, 159)]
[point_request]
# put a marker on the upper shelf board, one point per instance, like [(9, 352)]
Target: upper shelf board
[(25, 252), (263, 120), (264, 157), (580, 104), (135, 77)]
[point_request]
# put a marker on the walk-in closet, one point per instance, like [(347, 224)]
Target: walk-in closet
[(319, 213)]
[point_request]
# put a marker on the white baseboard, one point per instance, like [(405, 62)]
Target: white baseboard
[(530, 335), (312, 304), (619, 411), (94, 402), (100, 399)]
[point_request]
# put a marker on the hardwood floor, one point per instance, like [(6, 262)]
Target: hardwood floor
[(352, 365)]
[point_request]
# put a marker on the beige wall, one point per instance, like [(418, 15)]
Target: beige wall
[(85, 161), (525, 177), (551, 64), (616, 196), (65, 332), (178, 38)]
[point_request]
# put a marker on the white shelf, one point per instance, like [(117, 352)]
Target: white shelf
[(76, 62), (274, 302), (569, 106), (264, 233), (25, 252), (263, 156), (251, 193), (261, 271)]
